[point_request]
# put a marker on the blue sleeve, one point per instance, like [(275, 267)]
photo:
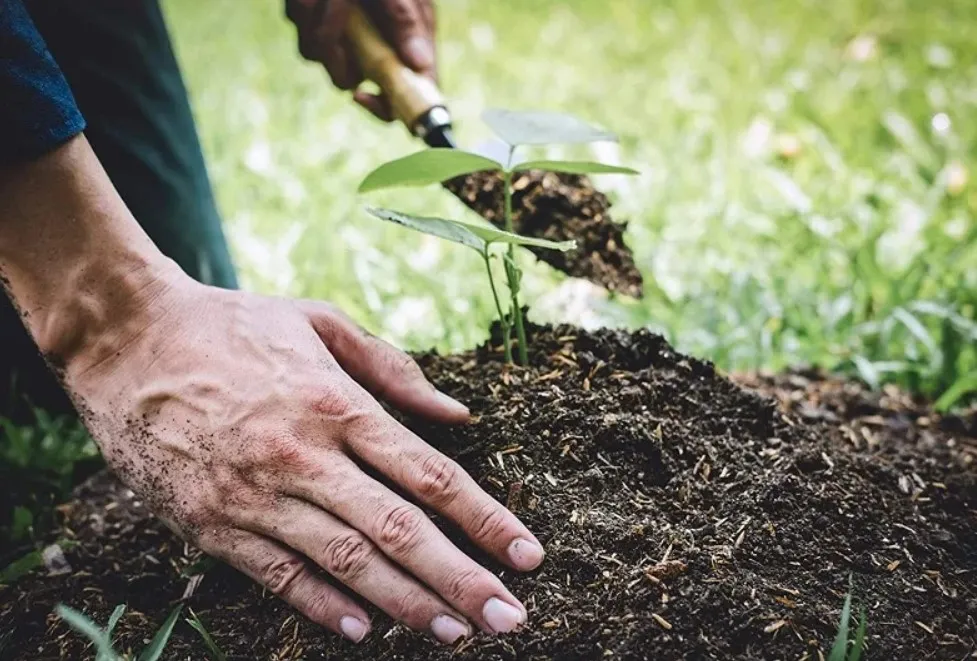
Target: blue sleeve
[(37, 110)]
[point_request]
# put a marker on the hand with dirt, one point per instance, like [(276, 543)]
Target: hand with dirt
[(408, 25), (248, 422)]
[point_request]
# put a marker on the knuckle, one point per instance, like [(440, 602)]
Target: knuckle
[(439, 478), (463, 584), (400, 529), (320, 606), (280, 575), (488, 523), (402, 365), (347, 556), (330, 402), (283, 451)]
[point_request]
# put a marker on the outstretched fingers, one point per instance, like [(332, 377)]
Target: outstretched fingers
[(292, 578), (405, 534), (431, 478), (351, 558)]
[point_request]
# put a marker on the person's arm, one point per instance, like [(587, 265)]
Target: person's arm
[(243, 420)]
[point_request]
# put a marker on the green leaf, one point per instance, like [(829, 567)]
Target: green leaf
[(916, 328), (477, 237), (542, 128), (216, 654), (156, 646), (423, 168), (86, 627), (113, 620), (841, 640), (963, 386), (574, 167), (856, 651), (21, 566), (867, 371)]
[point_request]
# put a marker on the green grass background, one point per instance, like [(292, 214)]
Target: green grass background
[(853, 254), (858, 252)]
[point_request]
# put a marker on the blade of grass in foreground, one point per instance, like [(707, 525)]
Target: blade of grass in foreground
[(155, 648), (113, 621), (856, 651), (841, 640), (216, 654), (85, 626)]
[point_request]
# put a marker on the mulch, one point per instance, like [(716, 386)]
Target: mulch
[(685, 516)]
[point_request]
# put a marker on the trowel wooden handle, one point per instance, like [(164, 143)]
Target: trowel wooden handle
[(410, 94)]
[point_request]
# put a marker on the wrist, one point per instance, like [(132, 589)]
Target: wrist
[(73, 260), (100, 307)]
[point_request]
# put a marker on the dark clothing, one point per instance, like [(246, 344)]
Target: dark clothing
[(117, 59), (37, 110), (117, 56)]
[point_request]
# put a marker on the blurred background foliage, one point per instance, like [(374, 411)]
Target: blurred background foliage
[(805, 195)]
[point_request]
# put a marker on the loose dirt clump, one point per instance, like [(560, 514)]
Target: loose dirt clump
[(684, 517), (559, 207)]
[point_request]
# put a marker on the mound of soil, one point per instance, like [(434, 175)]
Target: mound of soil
[(559, 207), (684, 517)]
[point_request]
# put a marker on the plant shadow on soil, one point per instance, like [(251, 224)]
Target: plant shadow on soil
[(684, 516)]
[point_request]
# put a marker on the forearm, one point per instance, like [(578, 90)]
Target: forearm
[(72, 258)]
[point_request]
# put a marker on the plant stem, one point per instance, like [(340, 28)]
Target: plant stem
[(498, 307), (511, 272)]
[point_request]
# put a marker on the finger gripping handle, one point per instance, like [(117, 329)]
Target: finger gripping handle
[(411, 95)]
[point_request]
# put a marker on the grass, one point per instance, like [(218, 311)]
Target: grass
[(102, 638), (802, 197), (840, 650)]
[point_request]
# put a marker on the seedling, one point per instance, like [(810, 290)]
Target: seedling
[(840, 651), (433, 166), (102, 639)]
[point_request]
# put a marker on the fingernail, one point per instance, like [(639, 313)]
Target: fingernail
[(420, 52), (453, 404), (353, 628), (525, 554), (502, 617), (448, 630)]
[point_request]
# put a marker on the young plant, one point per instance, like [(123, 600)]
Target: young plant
[(102, 639), (840, 651), (438, 165)]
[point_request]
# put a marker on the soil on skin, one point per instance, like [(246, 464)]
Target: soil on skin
[(559, 207), (684, 517)]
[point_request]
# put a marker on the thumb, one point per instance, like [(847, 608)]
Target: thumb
[(387, 372)]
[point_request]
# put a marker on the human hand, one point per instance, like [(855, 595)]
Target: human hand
[(408, 25), (243, 420)]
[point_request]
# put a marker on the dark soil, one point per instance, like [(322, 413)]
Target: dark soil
[(560, 207), (684, 517)]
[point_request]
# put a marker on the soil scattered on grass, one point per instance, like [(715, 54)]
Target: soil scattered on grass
[(683, 516), (559, 207)]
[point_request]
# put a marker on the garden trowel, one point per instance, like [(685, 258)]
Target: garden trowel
[(552, 206)]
